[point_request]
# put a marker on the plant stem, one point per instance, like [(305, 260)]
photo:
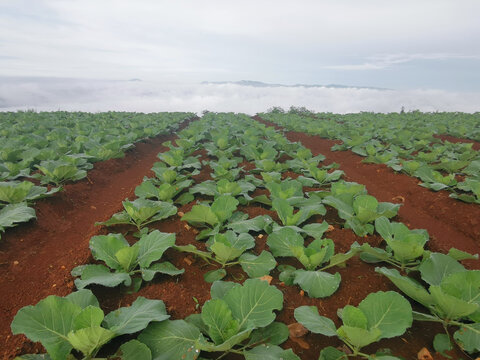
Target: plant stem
[(363, 355), (462, 325), (229, 351), (231, 263), (428, 317), (193, 250), (351, 347)]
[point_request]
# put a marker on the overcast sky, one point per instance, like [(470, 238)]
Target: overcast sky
[(399, 44)]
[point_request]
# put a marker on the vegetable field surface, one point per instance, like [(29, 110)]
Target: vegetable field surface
[(237, 231)]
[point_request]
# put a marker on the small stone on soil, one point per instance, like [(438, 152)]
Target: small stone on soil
[(267, 278), (302, 343), (424, 354), (297, 330)]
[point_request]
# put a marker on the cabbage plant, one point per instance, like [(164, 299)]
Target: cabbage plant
[(381, 315), (76, 322)]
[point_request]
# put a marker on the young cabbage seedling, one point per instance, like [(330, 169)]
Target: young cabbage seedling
[(286, 212), (141, 212), (229, 249), (225, 168), (13, 192), (408, 166), (433, 179), (164, 174), (238, 319), (76, 321), (177, 159), (268, 165), (451, 294), (380, 315), (13, 214), (286, 242), (358, 209), (260, 151), (58, 172), (14, 170), (471, 187), (126, 261), (289, 190), (112, 149), (304, 160), (164, 192), (238, 189), (212, 216), (319, 176), (187, 146), (404, 246)]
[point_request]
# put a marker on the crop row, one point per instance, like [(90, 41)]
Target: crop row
[(249, 165), (404, 142), (55, 148)]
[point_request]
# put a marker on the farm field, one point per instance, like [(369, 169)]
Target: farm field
[(296, 217)]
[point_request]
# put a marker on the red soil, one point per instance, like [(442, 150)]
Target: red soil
[(48, 249)]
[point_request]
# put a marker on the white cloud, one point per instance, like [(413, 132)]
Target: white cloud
[(85, 95), (380, 62)]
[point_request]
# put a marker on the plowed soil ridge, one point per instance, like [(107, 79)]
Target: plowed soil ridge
[(450, 223), (36, 258)]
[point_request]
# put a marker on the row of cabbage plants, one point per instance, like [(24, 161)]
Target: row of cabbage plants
[(42, 151), (405, 142)]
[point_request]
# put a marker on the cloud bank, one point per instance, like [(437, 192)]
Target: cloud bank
[(50, 94)]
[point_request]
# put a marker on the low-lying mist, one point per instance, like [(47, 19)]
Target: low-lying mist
[(50, 94)]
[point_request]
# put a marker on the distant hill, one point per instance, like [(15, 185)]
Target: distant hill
[(262, 84)]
